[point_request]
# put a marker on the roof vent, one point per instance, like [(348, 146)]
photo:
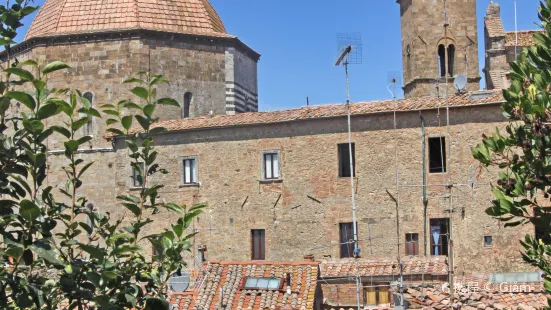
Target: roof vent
[(480, 95)]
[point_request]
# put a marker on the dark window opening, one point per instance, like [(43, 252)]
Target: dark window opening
[(437, 155), (188, 97), (412, 244), (344, 160), (451, 59), (488, 241), (439, 230), (408, 62), (442, 60), (258, 244), (346, 239), (271, 166), (88, 129), (376, 294), (137, 176), (541, 233)]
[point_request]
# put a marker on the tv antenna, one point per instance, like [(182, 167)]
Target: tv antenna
[(350, 52), (394, 78), (460, 82), (179, 282)]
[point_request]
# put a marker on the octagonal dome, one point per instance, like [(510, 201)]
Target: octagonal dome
[(59, 17)]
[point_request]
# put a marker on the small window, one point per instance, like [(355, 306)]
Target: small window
[(451, 59), (344, 160), (271, 166), (189, 175), (412, 244), (257, 244), (376, 294), (439, 230), (272, 284), (188, 97), (88, 128), (488, 241), (137, 176), (442, 60), (346, 240), (437, 155)]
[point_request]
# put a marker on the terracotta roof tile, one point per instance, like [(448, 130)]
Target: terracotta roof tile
[(415, 265), (525, 38), (331, 110), (84, 16), (228, 276)]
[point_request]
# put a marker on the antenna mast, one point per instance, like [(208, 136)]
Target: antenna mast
[(350, 52)]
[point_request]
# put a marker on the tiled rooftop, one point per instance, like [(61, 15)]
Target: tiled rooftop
[(58, 17), (433, 297), (229, 277), (332, 110), (525, 38), (416, 265)]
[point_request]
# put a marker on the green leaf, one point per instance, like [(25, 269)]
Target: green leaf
[(39, 84), (144, 122), (111, 121), (54, 66), (176, 208), (28, 210), (29, 62), (71, 145), (48, 110), (133, 80), (133, 208), (115, 131), (149, 109), (7, 41), (62, 130), (79, 123), (126, 122), (22, 73), (84, 139), (169, 102), (4, 104), (140, 92), (95, 252), (22, 97), (34, 126)]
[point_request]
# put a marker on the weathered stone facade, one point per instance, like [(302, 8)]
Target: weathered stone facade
[(301, 213), (422, 34)]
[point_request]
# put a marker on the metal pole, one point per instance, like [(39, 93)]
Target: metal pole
[(425, 200), (352, 174), (516, 28)]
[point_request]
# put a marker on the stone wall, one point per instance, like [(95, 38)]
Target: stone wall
[(422, 33), (241, 82), (301, 213)]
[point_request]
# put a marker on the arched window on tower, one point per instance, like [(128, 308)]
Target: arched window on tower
[(408, 62), (188, 97), (451, 59), (88, 128), (442, 60)]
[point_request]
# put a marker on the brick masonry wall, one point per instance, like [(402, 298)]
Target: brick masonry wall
[(422, 29), (301, 213)]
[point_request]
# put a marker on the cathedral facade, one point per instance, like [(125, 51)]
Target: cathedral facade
[(277, 184)]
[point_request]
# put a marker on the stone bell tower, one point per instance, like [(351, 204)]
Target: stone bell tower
[(439, 41)]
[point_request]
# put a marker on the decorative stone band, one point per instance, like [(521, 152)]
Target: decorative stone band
[(239, 99)]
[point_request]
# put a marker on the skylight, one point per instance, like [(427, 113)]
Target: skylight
[(262, 284)]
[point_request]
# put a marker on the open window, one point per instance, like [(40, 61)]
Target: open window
[(188, 97), (412, 244), (137, 176), (346, 239), (344, 160), (189, 171), (451, 59), (439, 236), (437, 155)]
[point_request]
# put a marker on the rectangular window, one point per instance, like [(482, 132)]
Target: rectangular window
[(190, 171), (412, 244), (439, 230), (437, 155), (376, 294), (271, 166), (346, 239), (271, 284), (344, 160), (137, 177), (488, 241), (258, 244)]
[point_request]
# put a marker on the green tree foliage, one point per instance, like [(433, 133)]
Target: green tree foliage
[(523, 154), (97, 260)]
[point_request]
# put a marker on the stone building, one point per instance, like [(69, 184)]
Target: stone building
[(439, 41), (278, 183), (501, 47)]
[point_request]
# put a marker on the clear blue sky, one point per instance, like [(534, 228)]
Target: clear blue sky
[(297, 41)]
